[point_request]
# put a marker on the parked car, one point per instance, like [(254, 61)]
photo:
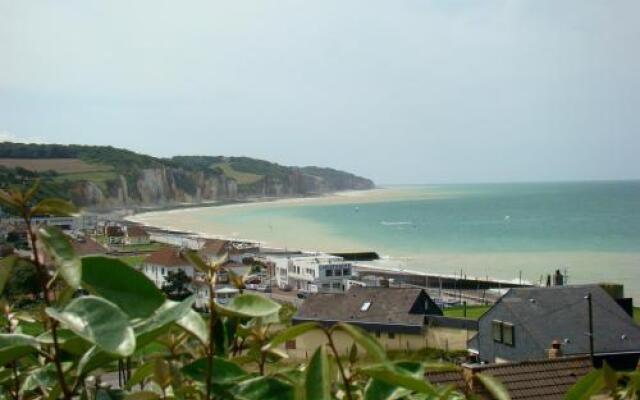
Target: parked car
[(287, 288), (302, 294), (264, 288)]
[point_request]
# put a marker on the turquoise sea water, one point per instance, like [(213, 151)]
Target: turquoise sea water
[(491, 218), (591, 229)]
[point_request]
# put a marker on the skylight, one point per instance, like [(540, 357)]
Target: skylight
[(365, 306)]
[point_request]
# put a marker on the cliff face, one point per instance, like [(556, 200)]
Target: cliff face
[(154, 187), (103, 177), (172, 186)]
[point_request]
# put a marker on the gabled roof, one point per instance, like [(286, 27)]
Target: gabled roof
[(215, 247), (168, 257), (136, 231), (87, 247), (528, 380), (114, 231), (370, 307), (561, 313)]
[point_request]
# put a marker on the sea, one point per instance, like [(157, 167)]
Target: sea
[(517, 231)]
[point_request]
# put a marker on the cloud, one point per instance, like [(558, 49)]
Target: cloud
[(6, 136)]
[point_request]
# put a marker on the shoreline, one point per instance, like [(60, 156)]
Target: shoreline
[(263, 222), (250, 201)]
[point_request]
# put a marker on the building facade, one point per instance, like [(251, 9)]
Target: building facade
[(526, 322), (315, 273)]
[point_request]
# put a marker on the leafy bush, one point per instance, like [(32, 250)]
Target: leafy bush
[(105, 315)]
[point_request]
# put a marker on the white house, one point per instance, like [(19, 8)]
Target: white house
[(158, 264), (324, 273), (222, 294)]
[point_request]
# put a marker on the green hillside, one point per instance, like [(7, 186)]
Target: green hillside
[(67, 170)]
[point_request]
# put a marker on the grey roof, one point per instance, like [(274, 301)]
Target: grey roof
[(390, 307), (542, 315)]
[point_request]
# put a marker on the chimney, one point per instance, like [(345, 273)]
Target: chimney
[(555, 351)]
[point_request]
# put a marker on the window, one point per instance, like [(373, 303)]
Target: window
[(496, 328), (163, 271), (365, 306), (508, 336), (326, 286), (329, 272), (290, 344), (346, 271), (391, 335), (338, 272), (336, 285)]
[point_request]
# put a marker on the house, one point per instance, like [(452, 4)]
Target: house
[(315, 273), (86, 223), (158, 264), (86, 246), (524, 323), (528, 380), (398, 317), (114, 234), (233, 268), (135, 234), (214, 249), (222, 294)]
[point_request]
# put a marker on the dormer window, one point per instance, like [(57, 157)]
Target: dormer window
[(365, 306)]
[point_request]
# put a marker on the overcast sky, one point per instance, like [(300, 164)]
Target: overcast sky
[(402, 91)]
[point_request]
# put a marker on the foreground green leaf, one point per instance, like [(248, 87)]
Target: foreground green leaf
[(95, 358), (263, 388), (140, 374), (290, 333), (249, 306), (224, 371), (368, 342), (14, 346), (57, 207), (99, 322), (67, 340), (380, 390), (193, 323), (591, 384), (59, 247), (392, 375), (318, 378), (494, 386), (198, 263), (121, 284), (169, 313), (6, 267)]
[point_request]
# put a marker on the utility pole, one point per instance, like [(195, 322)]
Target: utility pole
[(590, 334)]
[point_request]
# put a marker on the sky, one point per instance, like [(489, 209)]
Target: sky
[(403, 91)]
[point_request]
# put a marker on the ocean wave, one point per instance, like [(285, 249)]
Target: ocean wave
[(395, 223)]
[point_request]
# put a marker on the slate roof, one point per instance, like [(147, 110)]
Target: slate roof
[(528, 380), (390, 308), (542, 315), (168, 257)]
